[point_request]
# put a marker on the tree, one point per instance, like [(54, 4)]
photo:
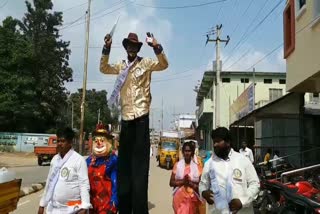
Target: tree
[(16, 91), (95, 100), (34, 95)]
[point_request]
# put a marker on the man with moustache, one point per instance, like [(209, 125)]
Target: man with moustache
[(133, 87), (229, 180), (67, 187)]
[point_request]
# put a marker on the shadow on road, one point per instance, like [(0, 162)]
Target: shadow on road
[(151, 205)]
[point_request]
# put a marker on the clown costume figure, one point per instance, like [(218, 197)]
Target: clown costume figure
[(102, 170)]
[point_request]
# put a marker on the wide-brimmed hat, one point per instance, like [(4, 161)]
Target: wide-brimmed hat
[(101, 130), (133, 39)]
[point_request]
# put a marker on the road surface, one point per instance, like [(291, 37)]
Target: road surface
[(31, 174)]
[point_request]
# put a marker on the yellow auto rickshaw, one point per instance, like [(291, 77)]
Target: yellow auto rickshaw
[(168, 153)]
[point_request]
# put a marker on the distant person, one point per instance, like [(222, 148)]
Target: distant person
[(229, 180), (185, 179), (278, 161), (151, 151), (267, 156), (247, 152), (67, 187)]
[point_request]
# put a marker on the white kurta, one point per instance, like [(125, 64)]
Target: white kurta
[(245, 181), (73, 185), (247, 153)]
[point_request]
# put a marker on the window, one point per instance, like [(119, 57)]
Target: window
[(225, 79), (289, 29), (314, 98), (282, 81), (274, 93), (267, 81), (300, 4), (244, 80)]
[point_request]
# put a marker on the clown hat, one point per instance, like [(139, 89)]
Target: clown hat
[(101, 130)]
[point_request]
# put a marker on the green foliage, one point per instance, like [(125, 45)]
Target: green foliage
[(95, 100), (33, 68)]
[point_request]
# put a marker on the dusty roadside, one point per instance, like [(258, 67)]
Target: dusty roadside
[(17, 159)]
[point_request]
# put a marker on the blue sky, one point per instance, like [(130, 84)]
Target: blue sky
[(182, 33)]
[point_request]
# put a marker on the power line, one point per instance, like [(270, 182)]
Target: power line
[(100, 15), (240, 58), (235, 6), (70, 8), (180, 7), (279, 46), (4, 4), (244, 13), (78, 19), (153, 81), (265, 56), (247, 30), (72, 22)]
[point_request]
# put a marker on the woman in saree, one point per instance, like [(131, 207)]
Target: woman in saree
[(185, 179)]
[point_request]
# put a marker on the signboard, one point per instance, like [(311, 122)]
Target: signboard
[(243, 105), (22, 142)]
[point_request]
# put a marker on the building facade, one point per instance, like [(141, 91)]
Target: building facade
[(268, 86), (302, 45)]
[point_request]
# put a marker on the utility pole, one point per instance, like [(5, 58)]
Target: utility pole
[(99, 115), (217, 83), (71, 114), (162, 116), (84, 87), (254, 88)]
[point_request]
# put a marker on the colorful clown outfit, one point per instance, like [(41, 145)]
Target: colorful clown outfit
[(102, 171)]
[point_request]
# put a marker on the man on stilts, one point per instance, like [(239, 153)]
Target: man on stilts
[(133, 86)]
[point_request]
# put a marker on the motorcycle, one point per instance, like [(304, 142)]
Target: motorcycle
[(300, 195)]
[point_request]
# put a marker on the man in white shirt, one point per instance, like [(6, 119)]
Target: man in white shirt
[(276, 159), (67, 187), (247, 152), (229, 180)]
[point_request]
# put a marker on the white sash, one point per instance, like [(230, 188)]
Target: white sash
[(221, 197), (119, 83), (55, 175), (194, 173)]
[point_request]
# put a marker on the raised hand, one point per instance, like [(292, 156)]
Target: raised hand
[(108, 40)]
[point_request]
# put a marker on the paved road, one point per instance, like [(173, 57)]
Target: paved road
[(31, 174), (160, 194)]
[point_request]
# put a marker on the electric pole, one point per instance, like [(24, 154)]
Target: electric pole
[(84, 87), (162, 116), (216, 84), (72, 115), (98, 115)]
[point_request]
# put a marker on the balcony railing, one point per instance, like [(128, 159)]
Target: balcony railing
[(206, 106)]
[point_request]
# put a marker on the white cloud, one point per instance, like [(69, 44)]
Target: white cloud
[(244, 60)]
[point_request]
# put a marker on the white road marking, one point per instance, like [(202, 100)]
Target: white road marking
[(22, 203)]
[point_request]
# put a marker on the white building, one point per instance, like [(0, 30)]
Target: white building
[(269, 86)]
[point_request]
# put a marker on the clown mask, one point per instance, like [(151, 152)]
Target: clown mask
[(101, 146)]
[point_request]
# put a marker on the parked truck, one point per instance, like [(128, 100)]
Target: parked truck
[(46, 153)]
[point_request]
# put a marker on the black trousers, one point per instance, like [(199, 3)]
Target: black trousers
[(133, 166)]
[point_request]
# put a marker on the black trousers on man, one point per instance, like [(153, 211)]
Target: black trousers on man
[(133, 166)]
